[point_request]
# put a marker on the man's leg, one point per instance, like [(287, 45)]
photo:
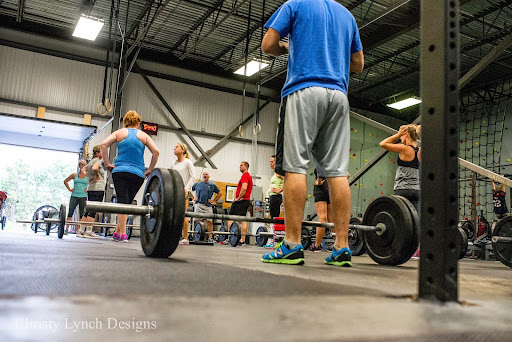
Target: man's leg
[(295, 193), (339, 192)]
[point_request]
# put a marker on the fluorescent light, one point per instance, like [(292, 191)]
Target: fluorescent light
[(252, 68), (405, 103), (88, 27)]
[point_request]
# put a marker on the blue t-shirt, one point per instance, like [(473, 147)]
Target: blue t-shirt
[(322, 37), (204, 192)]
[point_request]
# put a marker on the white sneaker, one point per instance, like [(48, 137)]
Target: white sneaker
[(184, 242), (90, 235), (79, 234)]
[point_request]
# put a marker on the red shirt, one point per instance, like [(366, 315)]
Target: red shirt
[(246, 178), (3, 196)]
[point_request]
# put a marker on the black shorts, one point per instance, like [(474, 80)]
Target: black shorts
[(73, 202), (239, 208), (127, 185), (274, 203), (94, 196), (321, 194)]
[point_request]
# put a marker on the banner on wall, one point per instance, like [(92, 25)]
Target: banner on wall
[(149, 128)]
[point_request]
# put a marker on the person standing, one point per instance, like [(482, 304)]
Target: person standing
[(188, 174), (242, 198), (323, 48), (203, 200), (407, 177), (95, 190), (128, 173), (78, 192), (499, 202)]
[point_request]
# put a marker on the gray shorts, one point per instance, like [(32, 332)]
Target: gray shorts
[(314, 122), (203, 209)]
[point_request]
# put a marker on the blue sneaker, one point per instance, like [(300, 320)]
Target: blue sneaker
[(341, 258), (283, 255)]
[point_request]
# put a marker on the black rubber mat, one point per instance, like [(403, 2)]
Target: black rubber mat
[(47, 266)]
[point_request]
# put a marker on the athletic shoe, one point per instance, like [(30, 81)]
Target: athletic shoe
[(314, 248), (269, 246), (341, 258), (284, 255), (90, 235), (123, 238), (416, 254), (242, 243), (184, 242), (116, 237), (79, 234)]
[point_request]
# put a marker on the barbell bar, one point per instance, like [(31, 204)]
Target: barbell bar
[(93, 224), (132, 209)]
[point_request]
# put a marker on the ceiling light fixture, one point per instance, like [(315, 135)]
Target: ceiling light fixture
[(252, 67), (88, 27), (405, 103)]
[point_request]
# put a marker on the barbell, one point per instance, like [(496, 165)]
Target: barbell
[(390, 225)]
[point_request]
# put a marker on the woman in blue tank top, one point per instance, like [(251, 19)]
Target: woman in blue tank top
[(128, 173)]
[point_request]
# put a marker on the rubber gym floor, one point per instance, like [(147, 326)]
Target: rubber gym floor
[(98, 290)]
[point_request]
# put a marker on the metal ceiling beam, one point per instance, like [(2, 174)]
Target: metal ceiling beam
[(198, 41), (21, 10), (228, 136), (196, 25), (174, 115), (488, 59), (141, 15)]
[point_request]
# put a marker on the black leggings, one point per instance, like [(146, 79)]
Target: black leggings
[(274, 203), (412, 195), (127, 185), (77, 201)]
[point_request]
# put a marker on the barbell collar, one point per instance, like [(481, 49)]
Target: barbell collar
[(119, 208), (496, 239)]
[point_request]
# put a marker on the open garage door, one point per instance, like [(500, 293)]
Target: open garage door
[(42, 133)]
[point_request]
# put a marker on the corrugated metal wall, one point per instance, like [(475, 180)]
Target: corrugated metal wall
[(51, 81)]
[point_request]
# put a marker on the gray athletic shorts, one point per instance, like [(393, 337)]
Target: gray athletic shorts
[(314, 121), (203, 209)]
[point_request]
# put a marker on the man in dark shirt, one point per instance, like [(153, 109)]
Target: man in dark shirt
[(203, 200)]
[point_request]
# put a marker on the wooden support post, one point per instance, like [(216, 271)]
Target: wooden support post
[(41, 111)]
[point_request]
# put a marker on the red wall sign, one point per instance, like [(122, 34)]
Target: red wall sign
[(149, 128)]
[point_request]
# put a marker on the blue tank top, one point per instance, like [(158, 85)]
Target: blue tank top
[(130, 154), (80, 185)]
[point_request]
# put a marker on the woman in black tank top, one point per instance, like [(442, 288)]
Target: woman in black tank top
[(409, 157)]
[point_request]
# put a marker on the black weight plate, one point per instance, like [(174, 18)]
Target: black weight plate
[(199, 230), (355, 238), (160, 233), (62, 221), (222, 237), (391, 247), (468, 228), (503, 250), (305, 237), (261, 240), (416, 228), (462, 242), (236, 230)]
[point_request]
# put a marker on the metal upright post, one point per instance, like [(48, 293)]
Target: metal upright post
[(439, 174)]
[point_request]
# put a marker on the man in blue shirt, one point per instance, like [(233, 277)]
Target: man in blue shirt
[(204, 192), (323, 48)]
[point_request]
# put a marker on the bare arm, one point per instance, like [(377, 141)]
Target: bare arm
[(217, 196), (242, 191), (389, 144), (493, 185), (357, 62), (155, 152), (272, 45), (70, 177), (112, 138)]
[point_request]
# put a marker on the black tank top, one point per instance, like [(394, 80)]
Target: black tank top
[(500, 205), (415, 163)]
